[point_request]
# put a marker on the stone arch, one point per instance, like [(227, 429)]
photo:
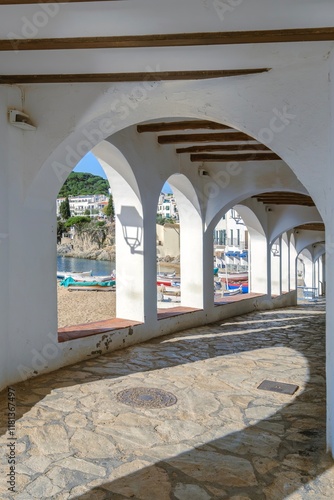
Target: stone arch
[(129, 229), (166, 101), (288, 219)]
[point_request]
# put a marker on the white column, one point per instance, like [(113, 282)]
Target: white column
[(275, 264), (285, 260), (316, 274), (293, 266), (308, 269), (4, 259), (322, 279), (324, 274), (259, 269), (195, 259), (330, 337), (136, 290), (32, 292)]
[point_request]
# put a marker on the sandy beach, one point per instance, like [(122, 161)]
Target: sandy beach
[(78, 307), (83, 307)]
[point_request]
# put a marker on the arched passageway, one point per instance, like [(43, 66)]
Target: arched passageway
[(286, 143)]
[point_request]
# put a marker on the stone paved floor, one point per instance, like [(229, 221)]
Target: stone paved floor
[(223, 439)]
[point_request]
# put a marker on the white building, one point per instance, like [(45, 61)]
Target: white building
[(79, 205), (167, 207), (231, 231)]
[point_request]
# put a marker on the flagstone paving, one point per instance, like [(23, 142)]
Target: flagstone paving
[(223, 439)]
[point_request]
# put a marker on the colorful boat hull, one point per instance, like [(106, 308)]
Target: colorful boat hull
[(235, 285)]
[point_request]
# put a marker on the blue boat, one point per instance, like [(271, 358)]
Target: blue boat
[(234, 286)]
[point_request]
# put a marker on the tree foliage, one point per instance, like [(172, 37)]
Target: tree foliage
[(109, 210), (164, 220), (64, 209), (76, 221), (82, 183), (60, 230)]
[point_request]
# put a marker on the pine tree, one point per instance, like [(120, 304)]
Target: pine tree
[(109, 210), (64, 209)]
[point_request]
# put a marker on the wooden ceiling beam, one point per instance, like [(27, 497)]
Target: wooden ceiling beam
[(296, 203), (214, 137), (225, 148), (281, 193), (26, 2), (181, 125), (234, 157), (315, 226), (172, 39), (285, 198), (127, 77)]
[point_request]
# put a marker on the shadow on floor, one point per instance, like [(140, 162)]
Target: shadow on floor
[(270, 460)]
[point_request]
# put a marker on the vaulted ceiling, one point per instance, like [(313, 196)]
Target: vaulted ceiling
[(113, 41), (211, 142)]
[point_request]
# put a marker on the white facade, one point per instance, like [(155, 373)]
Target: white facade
[(167, 207), (288, 108), (80, 204), (231, 231)]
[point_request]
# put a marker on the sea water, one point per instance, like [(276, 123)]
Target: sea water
[(72, 265)]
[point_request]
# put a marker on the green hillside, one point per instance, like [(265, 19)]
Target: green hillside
[(80, 183)]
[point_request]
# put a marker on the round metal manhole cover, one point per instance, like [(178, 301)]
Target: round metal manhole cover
[(143, 397)]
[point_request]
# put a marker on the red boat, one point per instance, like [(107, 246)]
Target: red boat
[(168, 282)]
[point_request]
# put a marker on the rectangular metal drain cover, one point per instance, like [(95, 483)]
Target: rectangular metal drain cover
[(269, 385)]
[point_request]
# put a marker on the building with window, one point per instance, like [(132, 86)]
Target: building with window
[(167, 207), (81, 205)]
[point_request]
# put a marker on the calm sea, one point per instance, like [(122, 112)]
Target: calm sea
[(98, 267)]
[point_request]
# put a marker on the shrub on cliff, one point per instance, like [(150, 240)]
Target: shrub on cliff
[(78, 220)]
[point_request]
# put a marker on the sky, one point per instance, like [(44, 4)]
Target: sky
[(91, 165)]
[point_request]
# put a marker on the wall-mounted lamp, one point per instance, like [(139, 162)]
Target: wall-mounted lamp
[(275, 250), (20, 120)]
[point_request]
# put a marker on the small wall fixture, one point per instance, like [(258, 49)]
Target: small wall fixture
[(275, 250), (20, 120), (202, 172)]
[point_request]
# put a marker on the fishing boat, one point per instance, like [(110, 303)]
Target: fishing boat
[(229, 292), (91, 284), (83, 279), (78, 275), (234, 285), (166, 275), (233, 276), (168, 282)]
